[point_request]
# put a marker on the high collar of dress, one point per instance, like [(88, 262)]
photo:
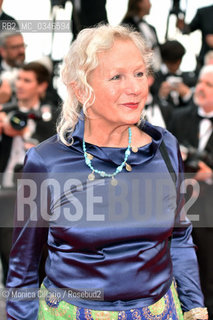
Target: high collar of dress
[(116, 155)]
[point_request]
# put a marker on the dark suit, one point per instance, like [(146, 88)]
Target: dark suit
[(203, 22), (185, 126), (91, 13), (6, 18)]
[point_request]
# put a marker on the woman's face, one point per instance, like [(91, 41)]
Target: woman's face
[(120, 85)]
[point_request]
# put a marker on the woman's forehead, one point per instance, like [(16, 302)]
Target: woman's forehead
[(121, 48)]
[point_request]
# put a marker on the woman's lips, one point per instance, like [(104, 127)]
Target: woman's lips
[(131, 105)]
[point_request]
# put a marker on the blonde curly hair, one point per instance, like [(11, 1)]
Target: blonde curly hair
[(80, 60)]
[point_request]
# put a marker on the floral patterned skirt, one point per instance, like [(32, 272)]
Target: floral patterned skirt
[(167, 308)]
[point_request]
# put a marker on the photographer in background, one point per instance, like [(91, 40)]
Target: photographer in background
[(193, 128), (28, 121), (171, 84)]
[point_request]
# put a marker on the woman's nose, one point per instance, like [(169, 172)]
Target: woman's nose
[(133, 86)]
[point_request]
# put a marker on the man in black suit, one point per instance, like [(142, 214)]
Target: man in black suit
[(202, 21), (136, 11), (193, 128), (171, 84)]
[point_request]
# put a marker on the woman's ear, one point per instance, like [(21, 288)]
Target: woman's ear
[(79, 93)]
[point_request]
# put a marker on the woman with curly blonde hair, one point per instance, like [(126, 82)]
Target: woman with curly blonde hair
[(101, 206)]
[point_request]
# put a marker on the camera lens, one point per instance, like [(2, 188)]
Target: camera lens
[(18, 120)]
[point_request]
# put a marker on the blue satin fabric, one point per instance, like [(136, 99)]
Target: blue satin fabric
[(111, 242)]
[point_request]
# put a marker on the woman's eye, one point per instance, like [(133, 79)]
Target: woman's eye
[(139, 74), (116, 77)]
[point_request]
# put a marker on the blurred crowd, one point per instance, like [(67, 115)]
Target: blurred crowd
[(180, 101)]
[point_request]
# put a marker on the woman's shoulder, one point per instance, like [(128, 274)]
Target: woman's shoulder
[(48, 144), (158, 133), (38, 158), (172, 148), (48, 147), (168, 138)]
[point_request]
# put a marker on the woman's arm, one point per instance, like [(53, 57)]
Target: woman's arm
[(185, 265), (29, 237)]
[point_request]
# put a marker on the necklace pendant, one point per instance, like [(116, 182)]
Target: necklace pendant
[(128, 167), (89, 156), (88, 161), (134, 149), (91, 176), (114, 182)]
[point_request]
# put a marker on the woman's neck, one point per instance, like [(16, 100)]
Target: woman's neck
[(115, 136), (104, 135)]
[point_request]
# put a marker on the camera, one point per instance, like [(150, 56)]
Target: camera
[(192, 158), (19, 119), (174, 81)]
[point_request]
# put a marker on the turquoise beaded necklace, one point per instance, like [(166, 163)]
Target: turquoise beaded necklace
[(88, 161)]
